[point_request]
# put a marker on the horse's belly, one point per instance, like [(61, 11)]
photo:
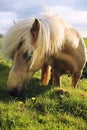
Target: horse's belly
[(62, 67)]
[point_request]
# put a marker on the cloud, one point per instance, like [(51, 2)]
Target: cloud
[(7, 5), (74, 4), (78, 18), (6, 20), (17, 10), (74, 16), (74, 11)]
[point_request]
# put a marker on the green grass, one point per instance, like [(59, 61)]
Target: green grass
[(85, 40), (43, 107), (0, 39), (0, 42)]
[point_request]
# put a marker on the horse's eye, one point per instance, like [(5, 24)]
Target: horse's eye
[(26, 56)]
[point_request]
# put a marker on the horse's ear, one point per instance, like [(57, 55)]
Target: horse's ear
[(14, 22), (35, 29)]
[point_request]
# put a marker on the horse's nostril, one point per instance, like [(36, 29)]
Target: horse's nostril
[(14, 92)]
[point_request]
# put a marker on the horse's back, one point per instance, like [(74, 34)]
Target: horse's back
[(75, 46)]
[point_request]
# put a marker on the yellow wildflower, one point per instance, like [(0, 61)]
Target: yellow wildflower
[(33, 98), (20, 102)]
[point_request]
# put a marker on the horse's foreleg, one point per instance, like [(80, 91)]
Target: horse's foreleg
[(55, 78), (46, 74), (75, 78), (50, 76)]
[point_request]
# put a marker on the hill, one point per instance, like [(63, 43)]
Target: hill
[(1, 35)]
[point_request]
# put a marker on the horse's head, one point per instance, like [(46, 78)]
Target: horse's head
[(27, 60)]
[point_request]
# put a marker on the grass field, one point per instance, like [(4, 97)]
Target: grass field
[(85, 39), (43, 107), (0, 39)]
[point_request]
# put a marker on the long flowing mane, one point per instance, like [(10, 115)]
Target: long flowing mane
[(50, 36)]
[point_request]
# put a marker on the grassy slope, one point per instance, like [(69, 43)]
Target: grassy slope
[(43, 107), (85, 39)]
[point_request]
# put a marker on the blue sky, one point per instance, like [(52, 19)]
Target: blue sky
[(73, 11)]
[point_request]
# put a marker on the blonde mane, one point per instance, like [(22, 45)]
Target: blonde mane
[(50, 38)]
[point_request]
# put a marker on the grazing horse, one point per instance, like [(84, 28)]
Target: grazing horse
[(48, 40)]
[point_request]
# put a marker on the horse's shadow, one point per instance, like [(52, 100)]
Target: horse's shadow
[(33, 89)]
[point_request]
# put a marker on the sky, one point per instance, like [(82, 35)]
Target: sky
[(73, 11)]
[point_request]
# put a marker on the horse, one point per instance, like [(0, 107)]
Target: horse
[(48, 40)]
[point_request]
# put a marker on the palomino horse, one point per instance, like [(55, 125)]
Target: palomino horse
[(33, 42)]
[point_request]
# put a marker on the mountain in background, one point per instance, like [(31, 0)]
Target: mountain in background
[(1, 35)]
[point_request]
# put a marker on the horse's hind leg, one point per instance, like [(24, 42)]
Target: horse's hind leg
[(76, 76)]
